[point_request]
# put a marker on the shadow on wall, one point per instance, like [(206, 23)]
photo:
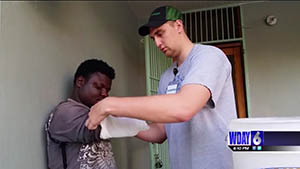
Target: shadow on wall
[(66, 92), (51, 11), (68, 85), (44, 144)]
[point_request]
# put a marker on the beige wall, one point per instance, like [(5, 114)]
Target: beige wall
[(42, 44), (273, 58)]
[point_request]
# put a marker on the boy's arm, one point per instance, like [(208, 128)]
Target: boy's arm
[(67, 125)]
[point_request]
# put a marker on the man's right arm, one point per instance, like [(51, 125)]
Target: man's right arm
[(155, 134)]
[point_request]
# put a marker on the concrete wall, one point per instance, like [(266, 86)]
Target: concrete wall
[(273, 58), (41, 45)]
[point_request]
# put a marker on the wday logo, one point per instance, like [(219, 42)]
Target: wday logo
[(245, 138)]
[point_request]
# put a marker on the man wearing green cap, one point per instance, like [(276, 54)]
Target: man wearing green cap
[(195, 102)]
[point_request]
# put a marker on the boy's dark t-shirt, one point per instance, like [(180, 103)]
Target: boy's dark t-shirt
[(84, 148)]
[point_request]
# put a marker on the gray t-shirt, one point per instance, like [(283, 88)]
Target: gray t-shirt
[(200, 142), (84, 148)]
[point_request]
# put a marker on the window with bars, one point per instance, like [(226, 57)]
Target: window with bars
[(213, 25)]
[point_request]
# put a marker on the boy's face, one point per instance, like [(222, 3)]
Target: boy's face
[(94, 89)]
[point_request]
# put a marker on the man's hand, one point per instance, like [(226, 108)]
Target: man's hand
[(97, 113)]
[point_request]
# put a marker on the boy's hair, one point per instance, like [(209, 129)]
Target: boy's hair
[(91, 66)]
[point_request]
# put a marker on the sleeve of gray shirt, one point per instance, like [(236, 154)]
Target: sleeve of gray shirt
[(68, 124), (210, 68)]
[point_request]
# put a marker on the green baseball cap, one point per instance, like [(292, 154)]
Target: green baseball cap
[(160, 16)]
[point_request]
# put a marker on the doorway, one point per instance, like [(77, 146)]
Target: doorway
[(234, 53)]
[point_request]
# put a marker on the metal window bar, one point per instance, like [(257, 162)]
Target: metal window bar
[(217, 25), (227, 21), (201, 27), (222, 23), (191, 25), (196, 26), (233, 22), (156, 65), (222, 19), (211, 28), (206, 25)]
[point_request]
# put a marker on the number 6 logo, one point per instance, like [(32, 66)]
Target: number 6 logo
[(257, 137)]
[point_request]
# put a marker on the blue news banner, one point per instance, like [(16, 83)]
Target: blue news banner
[(264, 140)]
